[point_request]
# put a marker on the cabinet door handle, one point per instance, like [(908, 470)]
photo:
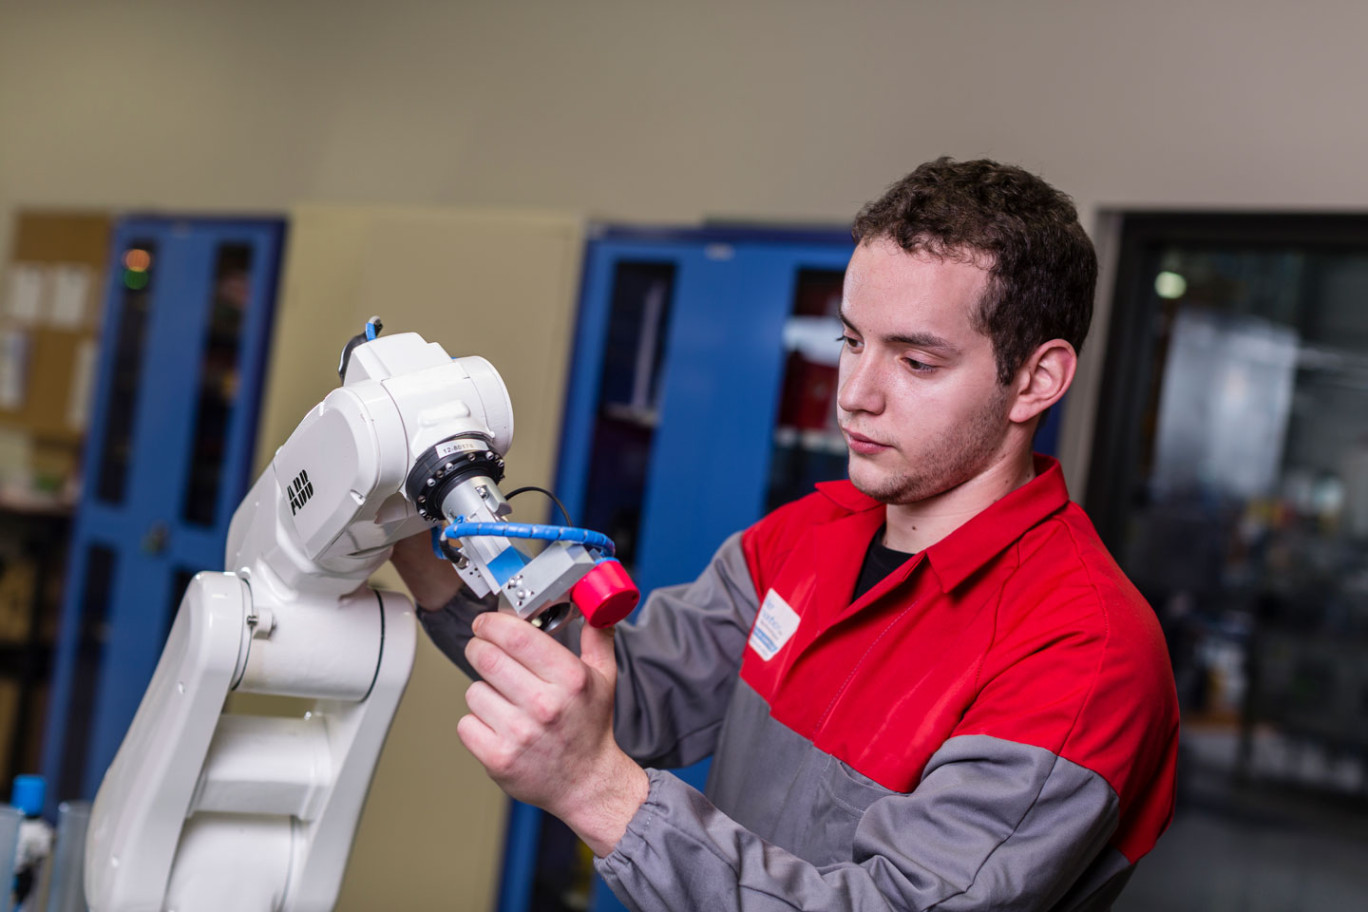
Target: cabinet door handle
[(154, 540)]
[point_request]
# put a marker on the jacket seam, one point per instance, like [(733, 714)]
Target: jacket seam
[(854, 669), (1096, 674)]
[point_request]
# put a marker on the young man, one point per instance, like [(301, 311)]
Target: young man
[(927, 687)]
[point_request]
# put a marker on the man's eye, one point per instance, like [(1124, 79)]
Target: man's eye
[(919, 367), (850, 341)]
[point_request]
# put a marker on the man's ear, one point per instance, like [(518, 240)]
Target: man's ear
[(1042, 379)]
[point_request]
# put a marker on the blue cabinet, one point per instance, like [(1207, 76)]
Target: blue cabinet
[(707, 365), (187, 317), (691, 408)]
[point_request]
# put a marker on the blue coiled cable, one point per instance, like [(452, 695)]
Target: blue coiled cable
[(587, 537)]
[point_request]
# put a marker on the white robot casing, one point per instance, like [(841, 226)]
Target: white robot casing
[(203, 811)]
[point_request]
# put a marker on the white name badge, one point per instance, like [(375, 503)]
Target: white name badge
[(774, 626)]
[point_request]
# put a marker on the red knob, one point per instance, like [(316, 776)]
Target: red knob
[(605, 595)]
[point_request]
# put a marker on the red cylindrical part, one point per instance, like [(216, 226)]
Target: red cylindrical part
[(605, 595)]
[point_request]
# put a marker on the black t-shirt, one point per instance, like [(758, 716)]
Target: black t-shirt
[(878, 563)]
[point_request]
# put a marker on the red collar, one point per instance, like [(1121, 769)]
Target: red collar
[(967, 549)]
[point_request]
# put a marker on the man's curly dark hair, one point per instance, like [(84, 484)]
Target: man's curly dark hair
[(1042, 269)]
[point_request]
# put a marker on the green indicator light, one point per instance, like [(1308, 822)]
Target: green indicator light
[(136, 280)]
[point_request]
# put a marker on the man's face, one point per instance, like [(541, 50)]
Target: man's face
[(919, 400)]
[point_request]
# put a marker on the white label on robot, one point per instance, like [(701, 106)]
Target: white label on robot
[(446, 449), (774, 626)]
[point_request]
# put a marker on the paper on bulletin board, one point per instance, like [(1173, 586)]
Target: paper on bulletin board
[(14, 350), (71, 286), (24, 292), (82, 378)]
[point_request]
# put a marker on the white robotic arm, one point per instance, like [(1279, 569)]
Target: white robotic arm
[(203, 810)]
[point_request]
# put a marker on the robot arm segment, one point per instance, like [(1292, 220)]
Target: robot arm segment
[(210, 811), (412, 439)]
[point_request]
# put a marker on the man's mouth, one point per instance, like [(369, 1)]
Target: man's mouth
[(862, 445)]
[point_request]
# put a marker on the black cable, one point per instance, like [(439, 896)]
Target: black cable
[(565, 514)]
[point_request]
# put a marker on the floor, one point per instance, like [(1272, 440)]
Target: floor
[(1293, 838)]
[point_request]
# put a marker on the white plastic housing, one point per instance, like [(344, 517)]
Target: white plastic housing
[(146, 794), (237, 813), (206, 812), (333, 502)]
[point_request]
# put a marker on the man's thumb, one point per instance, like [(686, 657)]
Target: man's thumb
[(596, 649)]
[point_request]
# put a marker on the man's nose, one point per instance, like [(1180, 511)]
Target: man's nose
[(859, 389)]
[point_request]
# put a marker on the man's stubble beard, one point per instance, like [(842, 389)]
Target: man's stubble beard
[(944, 470)]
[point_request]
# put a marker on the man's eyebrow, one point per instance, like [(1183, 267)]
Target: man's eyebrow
[(923, 340), (916, 339)]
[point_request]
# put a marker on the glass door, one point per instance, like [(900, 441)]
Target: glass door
[(1230, 479)]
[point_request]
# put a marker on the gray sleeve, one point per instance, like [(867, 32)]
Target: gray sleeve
[(678, 662), (992, 825), (449, 626)]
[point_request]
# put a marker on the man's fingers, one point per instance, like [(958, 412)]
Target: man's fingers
[(431, 582), (498, 731), (502, 671), (491, 707), (530, 647), (478, 738), (524, 699)]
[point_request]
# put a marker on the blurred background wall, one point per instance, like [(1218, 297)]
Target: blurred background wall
[(672, 111)]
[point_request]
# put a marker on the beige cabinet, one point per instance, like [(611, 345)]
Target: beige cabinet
[(495, 284)]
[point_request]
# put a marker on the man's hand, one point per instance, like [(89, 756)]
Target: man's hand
[(541, 722), (430, 580)]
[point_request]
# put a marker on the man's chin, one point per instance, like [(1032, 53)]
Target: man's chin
[(882, 488)]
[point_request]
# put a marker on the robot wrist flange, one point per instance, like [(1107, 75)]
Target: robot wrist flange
[(444, 466)]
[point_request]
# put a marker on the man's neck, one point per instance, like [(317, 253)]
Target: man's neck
[(917, 526)]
